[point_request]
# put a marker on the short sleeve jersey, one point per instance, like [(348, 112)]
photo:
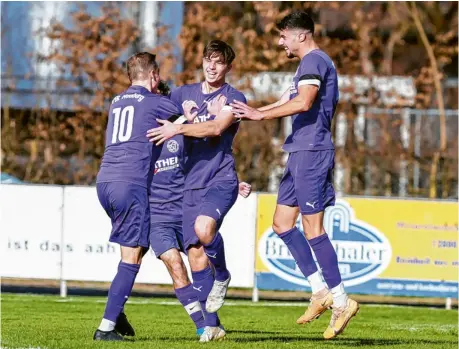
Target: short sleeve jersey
[(128, 155), (311, 130), (210, 159)]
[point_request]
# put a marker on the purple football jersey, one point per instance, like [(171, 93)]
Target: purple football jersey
[(168, 182), (311, 130), (128, 155), (210, 159)]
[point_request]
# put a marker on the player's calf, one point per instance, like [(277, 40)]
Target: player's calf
[(184, 290), (176, 268), (203, 281), (119, 291), (215, 251)]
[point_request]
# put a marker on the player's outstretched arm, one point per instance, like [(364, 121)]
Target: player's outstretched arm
[(284, 99), (212, 128), (303, 102)]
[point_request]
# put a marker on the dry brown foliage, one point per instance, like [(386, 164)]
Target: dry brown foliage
[(369, 39)]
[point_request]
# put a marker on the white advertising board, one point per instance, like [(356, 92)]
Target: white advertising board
[(90, 257), (31, 231)]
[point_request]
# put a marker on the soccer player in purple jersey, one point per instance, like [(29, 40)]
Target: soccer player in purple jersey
[(166, 237), (211, 183), (124, 179), (307, 183)]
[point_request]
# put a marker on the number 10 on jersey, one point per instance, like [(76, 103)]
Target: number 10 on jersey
[(122, 129)]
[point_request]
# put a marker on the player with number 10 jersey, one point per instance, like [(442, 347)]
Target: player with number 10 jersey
[(123, 182), (129, 158)]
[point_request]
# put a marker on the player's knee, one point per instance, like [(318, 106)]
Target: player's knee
[(171, 257), (280, 226), (132, 255), (205, 229)]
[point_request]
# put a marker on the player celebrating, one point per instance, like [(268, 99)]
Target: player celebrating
[(123, 182), (211, 183), (166, 236), (307, 182)]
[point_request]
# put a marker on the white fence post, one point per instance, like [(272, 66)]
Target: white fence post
[(255, 297), (63, 283), (448, 303)]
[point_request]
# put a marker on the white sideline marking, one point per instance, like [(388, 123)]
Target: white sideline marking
[(258, 304), (423, 327), (228, 303), (25, 348)]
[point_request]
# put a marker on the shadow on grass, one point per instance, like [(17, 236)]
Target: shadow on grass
[(340, 341)]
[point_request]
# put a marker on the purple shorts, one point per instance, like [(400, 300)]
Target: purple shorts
[(308, 181), (127, 206), (214, 201), (165, 236)]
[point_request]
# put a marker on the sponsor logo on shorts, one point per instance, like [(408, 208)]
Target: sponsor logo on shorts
[(363, 251)]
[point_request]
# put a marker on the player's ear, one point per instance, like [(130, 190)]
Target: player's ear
[(302, 37), (228, 68)]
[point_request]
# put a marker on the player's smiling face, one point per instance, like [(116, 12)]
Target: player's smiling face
[(289, 40), (215, 68)]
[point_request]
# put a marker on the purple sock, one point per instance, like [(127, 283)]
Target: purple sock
[(327, 259), (216, 253), (300, 250), (120, 290), (202, 284), (189, 299)]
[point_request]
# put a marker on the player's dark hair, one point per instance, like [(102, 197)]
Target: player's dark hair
[(139, 65), (163, 88), (297, 20), (221, 48)]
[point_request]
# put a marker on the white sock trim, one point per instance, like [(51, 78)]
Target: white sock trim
[(193, 307), (316, 282), (107, 325), (339, 296)]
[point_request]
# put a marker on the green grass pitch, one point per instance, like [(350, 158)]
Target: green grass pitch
[(31, 321)]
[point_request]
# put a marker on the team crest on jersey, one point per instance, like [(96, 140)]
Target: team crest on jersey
[(172, 146), (363, 251)]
